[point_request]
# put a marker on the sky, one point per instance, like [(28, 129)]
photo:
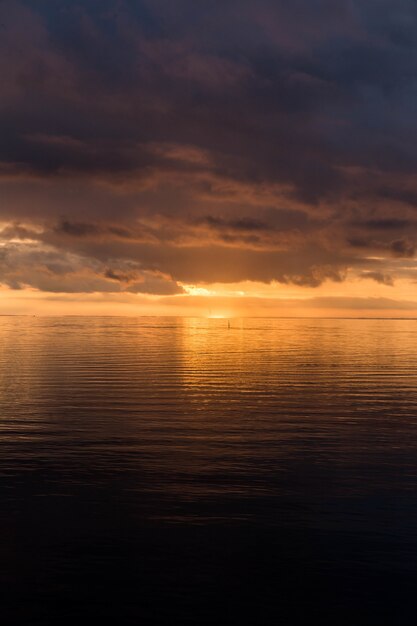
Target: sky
[(215, 158)]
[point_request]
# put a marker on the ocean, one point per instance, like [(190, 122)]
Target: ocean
[(178, 471)]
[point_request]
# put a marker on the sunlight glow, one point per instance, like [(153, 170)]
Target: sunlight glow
[(191, 290)]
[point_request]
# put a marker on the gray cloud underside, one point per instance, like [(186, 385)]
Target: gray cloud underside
[(144, 146)]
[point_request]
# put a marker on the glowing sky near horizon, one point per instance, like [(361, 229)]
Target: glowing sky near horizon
[(208, 158)]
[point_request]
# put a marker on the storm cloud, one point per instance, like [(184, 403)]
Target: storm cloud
[(150, 144)]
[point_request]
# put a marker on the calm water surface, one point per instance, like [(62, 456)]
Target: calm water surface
[(175, 471)]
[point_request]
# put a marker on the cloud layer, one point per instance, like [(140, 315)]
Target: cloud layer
[(149, 145)]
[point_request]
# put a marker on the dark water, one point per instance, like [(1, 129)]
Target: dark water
[(168, 471)]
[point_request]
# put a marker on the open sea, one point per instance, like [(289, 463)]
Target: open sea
[(177, 471)]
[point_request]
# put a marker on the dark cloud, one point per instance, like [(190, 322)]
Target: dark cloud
[(267, 141), (51, 270), (77, 229), (400, 248), (379, 277), (241, 224), (403, 248), (123, 277), (406, 196), (388, 224)]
